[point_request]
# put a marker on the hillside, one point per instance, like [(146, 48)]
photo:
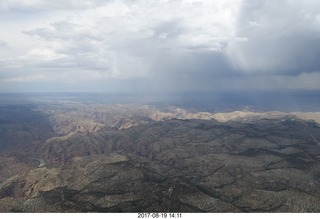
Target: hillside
[(184, 165)]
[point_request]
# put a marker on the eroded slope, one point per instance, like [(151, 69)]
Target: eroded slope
[(176, 165)]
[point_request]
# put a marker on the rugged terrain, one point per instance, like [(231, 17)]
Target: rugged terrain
[(127, 158)]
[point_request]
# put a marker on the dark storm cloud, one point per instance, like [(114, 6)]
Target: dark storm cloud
[(163, 45), (277, 37)]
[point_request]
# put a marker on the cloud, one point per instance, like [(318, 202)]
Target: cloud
[(278, 37), (127, 40), (3, 44), (161, 45), (43, 5)]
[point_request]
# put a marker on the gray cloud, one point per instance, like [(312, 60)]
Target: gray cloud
[(43, 5), (277, 36), (3, 44), (164, 45), (133, 44)]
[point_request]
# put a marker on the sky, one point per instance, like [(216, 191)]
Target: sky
[(159, 45)]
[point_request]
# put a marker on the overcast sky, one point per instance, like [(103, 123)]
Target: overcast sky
[(159, 45)]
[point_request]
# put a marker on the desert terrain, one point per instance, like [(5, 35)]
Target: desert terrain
[(74, 157)]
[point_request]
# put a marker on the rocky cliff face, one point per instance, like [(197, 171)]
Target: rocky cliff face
[(269, 165)]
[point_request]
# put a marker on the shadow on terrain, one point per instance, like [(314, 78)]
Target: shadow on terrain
[(22, 127)]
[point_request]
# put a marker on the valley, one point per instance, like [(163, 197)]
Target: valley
[(75, 157)]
